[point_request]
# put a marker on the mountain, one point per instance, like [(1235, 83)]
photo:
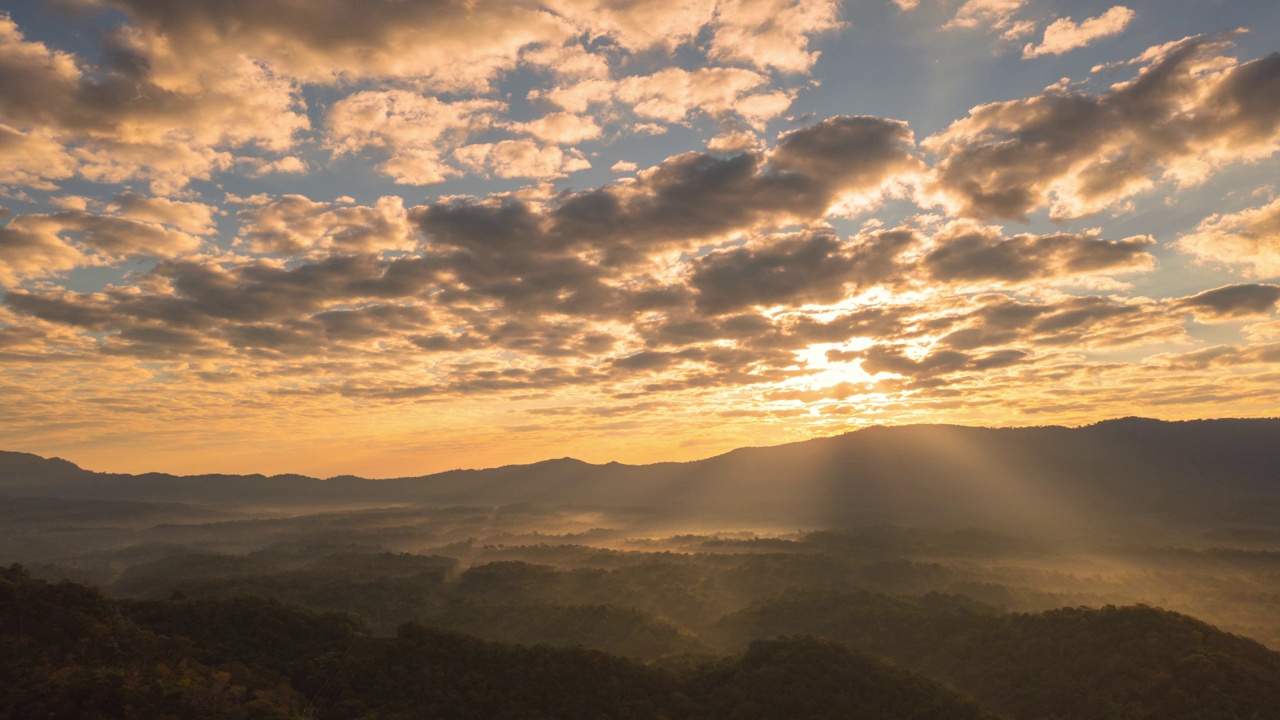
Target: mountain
[(1110, 473), (18, 469)]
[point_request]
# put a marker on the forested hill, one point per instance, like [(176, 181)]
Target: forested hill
[(1041, 476), (66, 651), (1130, 662)]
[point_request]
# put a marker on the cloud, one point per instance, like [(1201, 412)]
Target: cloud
[(118, 123), (455, 46), (1233, 302), (887, 359), (639, 25), (1249, 238), (1070, 322), (61, 307), (1018, 30), (33, 246), (296, 226), (331, 306), (791, 269), (968, 254), (39, 82), (33, 159), (707, 279), (33, 253), (674, 94), (734, 141), (122, 102), (996, 14), (691, 197), (1063, 35), (521, 158), (191, 217), (815, 267), (561, 128), (444, 45), (1190, 109), (288, 165), (847, 152), (180, 95), (764, 34), (1223, 356), (414, 130), (771, 33), (546, 277)]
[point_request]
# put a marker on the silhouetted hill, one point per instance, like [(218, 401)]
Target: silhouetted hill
[(1042, 477), (17, 468)]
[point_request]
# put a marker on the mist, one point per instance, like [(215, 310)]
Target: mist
[(919, 545)]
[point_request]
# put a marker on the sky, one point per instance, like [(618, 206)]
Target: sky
[(393, 237)]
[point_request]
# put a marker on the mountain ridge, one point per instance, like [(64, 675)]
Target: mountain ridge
[(918, 473), (7, 457)]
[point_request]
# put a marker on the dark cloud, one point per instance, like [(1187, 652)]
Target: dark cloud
[(1075, 152), (890, 359), (878, 321), (42, 245), (812, 267), (1232, 302), (1224, 356), (302, 309), (848, 153), (986, 255), (1080, 322), (566, 256), (1100, 322), (370, 323), (647, 360), (61, 308), (444, 42), (688, 198)]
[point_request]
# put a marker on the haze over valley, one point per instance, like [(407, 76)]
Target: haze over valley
[(899, 543)]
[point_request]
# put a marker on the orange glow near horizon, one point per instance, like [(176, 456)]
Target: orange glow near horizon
[(400, 238)]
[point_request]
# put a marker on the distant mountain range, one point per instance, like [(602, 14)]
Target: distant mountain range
[(1109, 474)]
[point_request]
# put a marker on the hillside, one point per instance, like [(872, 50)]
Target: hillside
[(68, 651), (1071, 663), (66, 645)]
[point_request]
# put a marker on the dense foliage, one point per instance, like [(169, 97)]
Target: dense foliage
[(626, 631), (1126, 663), (70, 652), (67, 652)]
